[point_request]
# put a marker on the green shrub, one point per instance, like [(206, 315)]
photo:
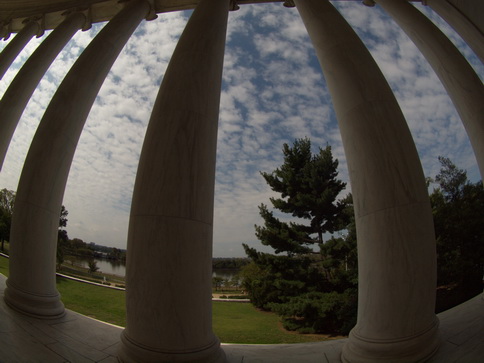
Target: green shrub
[(318, 312)]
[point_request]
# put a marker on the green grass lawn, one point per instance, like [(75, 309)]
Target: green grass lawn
[(3, 266), (242, 323), (232, 322), (95, 301)]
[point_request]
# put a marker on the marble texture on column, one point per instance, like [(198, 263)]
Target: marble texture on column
[(459, 79), (15, 46), (168, 272), (396, 242), (31, 286), (28, 77), (466, 29)]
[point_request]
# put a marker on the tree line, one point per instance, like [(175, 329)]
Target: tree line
[(458, 211), (229, 263), (65, 245), (312, 283), (7, 200), (78, 248)]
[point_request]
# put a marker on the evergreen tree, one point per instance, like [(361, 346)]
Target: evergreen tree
[(309, 190), (312, 291), (339, 254), (458, 209)]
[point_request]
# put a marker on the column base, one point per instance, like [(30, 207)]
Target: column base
[(417, 348), (131, 351), (37, 306)]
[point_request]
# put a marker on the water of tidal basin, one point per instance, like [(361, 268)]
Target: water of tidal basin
[(111, 267)]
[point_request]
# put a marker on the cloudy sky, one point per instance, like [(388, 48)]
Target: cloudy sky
[(273, 92)]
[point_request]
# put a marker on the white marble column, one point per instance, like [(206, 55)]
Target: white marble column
[(396, 242), (466, 29), (168, 272), (15, 46), (459, 79), (28, 77), (31, 286)]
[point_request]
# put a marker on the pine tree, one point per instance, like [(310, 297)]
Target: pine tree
[(312, 291), (309, 190)]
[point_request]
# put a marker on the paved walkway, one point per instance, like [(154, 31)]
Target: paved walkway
[(77, 338), (73, 338)]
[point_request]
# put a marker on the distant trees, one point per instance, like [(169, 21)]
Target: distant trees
[(115, 254), (226, 283), (227, 266), (63, 218), (62, 237), (217, 282), (312, 291), (92, 266), (7, 200), (65, 246), (77, 247), (229, 263), (458, 211)]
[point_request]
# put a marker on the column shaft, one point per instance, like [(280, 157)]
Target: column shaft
[(168, 274), (466, 29), (396, 242), (459, 79), (12, 50), (31, 286), (23, 85)]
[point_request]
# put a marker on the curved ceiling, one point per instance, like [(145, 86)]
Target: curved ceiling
[(13, 14)]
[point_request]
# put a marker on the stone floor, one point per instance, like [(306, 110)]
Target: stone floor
[(77, 338)]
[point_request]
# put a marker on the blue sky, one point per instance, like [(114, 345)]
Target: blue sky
[(273, 92)]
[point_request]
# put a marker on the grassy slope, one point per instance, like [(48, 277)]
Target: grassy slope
[(3, 266), (232, 322), (94, 301), (244, 324)]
